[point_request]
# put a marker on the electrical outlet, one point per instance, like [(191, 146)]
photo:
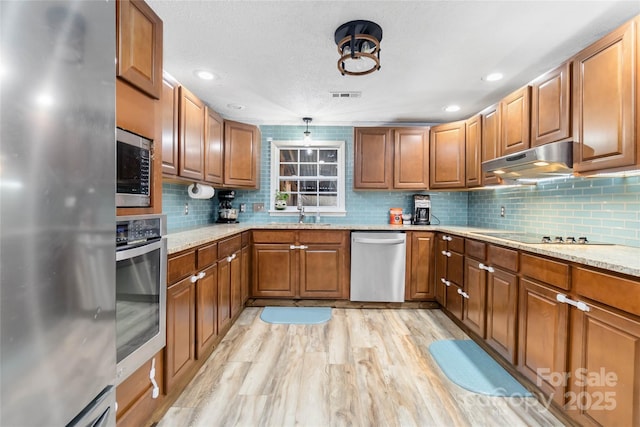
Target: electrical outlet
[(186, 208), (243, 207), (503, 211), (258, 207)]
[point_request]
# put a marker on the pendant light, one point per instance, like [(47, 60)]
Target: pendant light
[(307, 134)]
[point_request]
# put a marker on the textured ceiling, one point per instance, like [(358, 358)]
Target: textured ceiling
[(278, 58)]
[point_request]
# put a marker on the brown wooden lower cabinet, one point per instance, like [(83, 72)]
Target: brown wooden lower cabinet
[(474, 296), (502, 313), (135, 402), (206, 310), (543, 329), (180, 349), (604, 369), (440, 278), (420, 256), (300, 264)]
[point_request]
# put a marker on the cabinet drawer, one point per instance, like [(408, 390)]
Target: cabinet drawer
[(274, 236), (180, 266), (475, 249), (615, 291), (502, 257), (545, 270), (228, 246), (456, 244), (318, 236), (207, 255)]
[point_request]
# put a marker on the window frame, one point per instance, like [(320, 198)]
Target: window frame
[(276, 146)]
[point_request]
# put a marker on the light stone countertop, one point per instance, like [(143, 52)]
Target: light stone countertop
[(617, 258)]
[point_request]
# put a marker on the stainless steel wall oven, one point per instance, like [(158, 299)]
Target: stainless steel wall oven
[(141, 289)]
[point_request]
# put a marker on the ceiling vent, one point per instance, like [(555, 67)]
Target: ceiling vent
[(346, 94)]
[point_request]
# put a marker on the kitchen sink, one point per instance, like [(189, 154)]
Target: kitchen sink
[(303, 225)]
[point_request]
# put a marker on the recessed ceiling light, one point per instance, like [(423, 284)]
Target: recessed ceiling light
[(493, 77), (204, 74), (452, 108), (236, 106)]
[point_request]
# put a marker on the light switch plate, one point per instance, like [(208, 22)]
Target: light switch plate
[(258, 207)]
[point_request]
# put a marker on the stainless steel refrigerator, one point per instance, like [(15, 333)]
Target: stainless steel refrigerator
[(57, 212)]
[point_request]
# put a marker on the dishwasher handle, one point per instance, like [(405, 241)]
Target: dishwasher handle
[(370, 241)]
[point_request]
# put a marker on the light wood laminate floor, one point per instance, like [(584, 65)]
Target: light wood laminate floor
[(365, 367)]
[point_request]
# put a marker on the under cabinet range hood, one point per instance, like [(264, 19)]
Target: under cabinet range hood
[(545, 161)]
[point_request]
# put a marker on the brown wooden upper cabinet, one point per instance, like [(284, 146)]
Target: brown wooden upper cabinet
[(490, 140), (214, 150), (447, 168), (241, 155), (139, 46), (473, 153), (551, 106), (170, 105), (605, 97), (391, 158), (373, 158), (191, 136), (515, 121)]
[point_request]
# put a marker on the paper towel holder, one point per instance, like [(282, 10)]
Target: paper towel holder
[(200, 191)]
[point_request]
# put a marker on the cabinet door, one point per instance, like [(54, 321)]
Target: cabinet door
[(274, 271), (235, 281), (170, 103), (441, 270), (542, 349), (139, 46), (475, 288), (490, 140), (447, 158), (241, 155), (213, 149), (605, 363), (244, 280), (515, 122), (603, 103), (502, 310), (455, 304), (206, 311), (455, 268), (373, 154), (191, 136), (421, 266), (551, 106), (180, 350), (473, 136), (411, 159), (322, 271), (224, 294), (136, 404)]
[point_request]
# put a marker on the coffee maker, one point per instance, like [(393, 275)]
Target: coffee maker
[(421, 209), (226, 213)]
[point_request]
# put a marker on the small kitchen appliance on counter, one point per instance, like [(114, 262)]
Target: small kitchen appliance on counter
[(421, 209), (226, 213)]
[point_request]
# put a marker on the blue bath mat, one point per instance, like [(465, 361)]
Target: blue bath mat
[(469, 366), (296, 315)]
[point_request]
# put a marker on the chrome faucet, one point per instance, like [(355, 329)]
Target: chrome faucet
[(301, 214)]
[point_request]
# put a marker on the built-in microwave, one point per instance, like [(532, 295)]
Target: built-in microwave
[(133, 169)]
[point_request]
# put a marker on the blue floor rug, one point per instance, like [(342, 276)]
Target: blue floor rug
[(296, 315), (469, 366)]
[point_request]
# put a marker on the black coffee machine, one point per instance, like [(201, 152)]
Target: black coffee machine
[(421, 210), (226, 213)]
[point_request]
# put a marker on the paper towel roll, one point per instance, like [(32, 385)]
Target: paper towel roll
[(200, 191)]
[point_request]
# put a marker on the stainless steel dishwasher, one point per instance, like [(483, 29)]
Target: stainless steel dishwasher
[(378, 266)]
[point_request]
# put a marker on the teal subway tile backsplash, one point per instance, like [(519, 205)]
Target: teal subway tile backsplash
[(603, 209)]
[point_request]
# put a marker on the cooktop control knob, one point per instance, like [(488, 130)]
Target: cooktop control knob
[(546, 239), (558, 239), (571, 239), (582, 240)]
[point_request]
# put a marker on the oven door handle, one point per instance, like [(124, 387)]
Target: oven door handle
[(141, 250)]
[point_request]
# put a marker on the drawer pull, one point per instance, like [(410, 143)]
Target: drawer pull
[(231, 258), (193, 279), (447, 238), (577, 304), (463, 293), (445, 281), (201, 274), (446, 253), (298, 247)]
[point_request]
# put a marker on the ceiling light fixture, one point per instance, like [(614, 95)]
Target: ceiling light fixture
[(307, 134), (452, 108), (493, 77), (359, 47), (204, 74)]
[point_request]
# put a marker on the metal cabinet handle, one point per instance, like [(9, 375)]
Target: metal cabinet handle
[(490, 269), (193, 279), (577, 304), (446, 253), (201, 274), (298, 247), (445, 281), (447, 238), (463, 293), (231, 257), (481, 266)]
